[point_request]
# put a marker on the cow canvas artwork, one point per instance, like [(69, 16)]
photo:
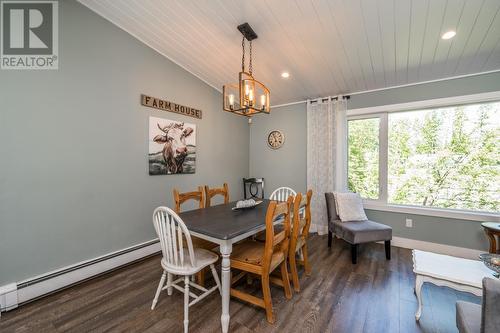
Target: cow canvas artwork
[(172, 147)]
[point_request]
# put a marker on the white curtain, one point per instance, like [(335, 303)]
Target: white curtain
[(326, 151)]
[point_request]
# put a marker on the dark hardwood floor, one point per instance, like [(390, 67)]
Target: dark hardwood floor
[(373, 296)]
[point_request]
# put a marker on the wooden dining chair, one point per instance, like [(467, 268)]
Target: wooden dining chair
[(212, 192), (279, 194), (299, 234), (179, 199), (282, 194), (261, 259), (180, 257)]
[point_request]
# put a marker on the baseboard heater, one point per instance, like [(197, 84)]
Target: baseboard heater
[(16, 294)]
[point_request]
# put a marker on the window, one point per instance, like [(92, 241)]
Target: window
[(362, 164), (447, 157)]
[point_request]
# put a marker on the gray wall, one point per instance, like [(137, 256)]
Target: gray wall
[(456, 87), (287, 167), (461, 233), (74, 180)]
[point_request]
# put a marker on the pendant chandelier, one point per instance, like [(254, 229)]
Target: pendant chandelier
[(249, 96)]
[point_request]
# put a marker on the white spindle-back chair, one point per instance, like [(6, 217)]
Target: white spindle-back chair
[(282, 194), (180, 258)]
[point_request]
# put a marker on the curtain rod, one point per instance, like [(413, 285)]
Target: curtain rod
[(403, 85), (306, 100), (325, 99)]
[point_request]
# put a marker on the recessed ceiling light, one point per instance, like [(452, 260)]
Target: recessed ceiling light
[(285, 75), (449, 34)]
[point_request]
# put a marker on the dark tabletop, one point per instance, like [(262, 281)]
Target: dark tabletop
[(491, 225), (222, 222)]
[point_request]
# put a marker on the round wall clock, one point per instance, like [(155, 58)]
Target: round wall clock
[(275, 139)]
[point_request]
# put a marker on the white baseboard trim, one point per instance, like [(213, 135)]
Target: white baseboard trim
[(14, 294), (455, 251), (8, 297)]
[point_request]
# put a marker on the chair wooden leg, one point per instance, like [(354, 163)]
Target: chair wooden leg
[(295, 273), (268, 302), (286, 280), (307, 266), (330, 238), (158, 290), (170, 277), (186, 304), (200, 277), (216, 278), (387, 249), (354, 253)]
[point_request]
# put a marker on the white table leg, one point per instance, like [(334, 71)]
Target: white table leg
[(418, 292), (225, 251)]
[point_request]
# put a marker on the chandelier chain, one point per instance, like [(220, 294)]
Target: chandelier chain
[(250, 62), (243, 55)]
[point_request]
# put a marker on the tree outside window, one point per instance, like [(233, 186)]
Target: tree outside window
[(445, 157)]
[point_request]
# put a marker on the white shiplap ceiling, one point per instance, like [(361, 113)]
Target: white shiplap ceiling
[(329, 47)]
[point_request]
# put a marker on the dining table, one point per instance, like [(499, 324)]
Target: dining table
[(223, 225)]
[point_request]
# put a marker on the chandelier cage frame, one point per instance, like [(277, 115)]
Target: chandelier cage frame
[(253, 95)]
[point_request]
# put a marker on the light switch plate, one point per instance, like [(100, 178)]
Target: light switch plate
[(409, 223)]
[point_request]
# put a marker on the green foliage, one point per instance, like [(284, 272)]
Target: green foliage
[(429, 133), (451, 160), (363, 157), (447, 157)]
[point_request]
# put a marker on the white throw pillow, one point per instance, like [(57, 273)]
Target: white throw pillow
[(349, 207)]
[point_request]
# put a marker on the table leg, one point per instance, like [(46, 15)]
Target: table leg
[(493, 241), (418, 291), (225, 251)]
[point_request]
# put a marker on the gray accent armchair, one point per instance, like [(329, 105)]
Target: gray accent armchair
[(483, 318), (356, 232)]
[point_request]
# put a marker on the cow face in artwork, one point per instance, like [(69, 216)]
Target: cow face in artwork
[(175, 149)]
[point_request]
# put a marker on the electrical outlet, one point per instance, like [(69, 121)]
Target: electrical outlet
[(409, 223)]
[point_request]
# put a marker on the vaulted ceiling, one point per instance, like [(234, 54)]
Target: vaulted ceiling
[(328, 46)]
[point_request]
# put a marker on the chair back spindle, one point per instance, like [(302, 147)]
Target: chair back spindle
[(180, 198), (212, 192), (173, 235), (301, 218), (282, 194)]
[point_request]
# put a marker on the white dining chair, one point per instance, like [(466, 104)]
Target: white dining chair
[(282, 194), (180, 258)]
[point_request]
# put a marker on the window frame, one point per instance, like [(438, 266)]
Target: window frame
[(382, 112)]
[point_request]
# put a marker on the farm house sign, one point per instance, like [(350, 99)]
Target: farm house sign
[(164, 105)]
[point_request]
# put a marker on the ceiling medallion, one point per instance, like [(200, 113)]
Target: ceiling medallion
[(249, 96)]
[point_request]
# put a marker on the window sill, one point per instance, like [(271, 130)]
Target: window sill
[(437, 212)]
